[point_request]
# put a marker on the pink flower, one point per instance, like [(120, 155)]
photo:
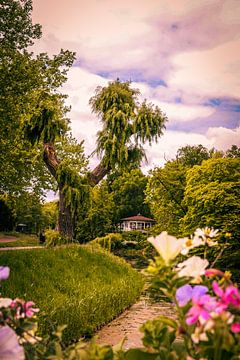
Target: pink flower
[(214, 272), (23, 309), (229, 296), (198, 309), (202, 309), (28, 309), (235, 327)]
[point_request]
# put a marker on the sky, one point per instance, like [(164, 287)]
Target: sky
[(183, 55)]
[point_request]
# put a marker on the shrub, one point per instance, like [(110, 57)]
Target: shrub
[(109, 242), (80, 286), (53, 238)]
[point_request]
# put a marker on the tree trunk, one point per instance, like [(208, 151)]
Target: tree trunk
[(65, 220), (65, 216)]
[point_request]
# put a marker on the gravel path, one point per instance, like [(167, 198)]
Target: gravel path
[(128, 323)]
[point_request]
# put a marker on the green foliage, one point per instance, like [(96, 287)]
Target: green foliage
[(53, 238), (193, 155), (127, 189), (25, 81), (164, 195), (50, 212), (109, 242), (81, 287), (126, 123), (97, 219), (212, 196), (233, 152), (18, 35)]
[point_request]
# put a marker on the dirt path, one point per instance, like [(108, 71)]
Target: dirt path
[(6, 239), (128, 323)]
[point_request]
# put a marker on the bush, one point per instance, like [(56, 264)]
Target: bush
[(110, 242), (80, 286), (53, 238)]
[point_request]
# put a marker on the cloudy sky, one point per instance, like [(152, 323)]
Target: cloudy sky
[(184, 55)]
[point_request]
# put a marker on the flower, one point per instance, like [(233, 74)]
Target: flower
[(214, 272), (229, 296), (186, 292), (235, 328), (206, 235), (23, 309), (199, 335), (202, 307), (193, 267), (191, 243), (4, 272), (5, 302), (9, 346), (168, 246), (28, 309)]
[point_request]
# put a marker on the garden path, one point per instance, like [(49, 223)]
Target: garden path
[(128, 323), (21, 248)]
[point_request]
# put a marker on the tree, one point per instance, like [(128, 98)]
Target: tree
[(193, 155), (97, 219), (128, 194), (233, 152), (164, 195), (126, 126), (212, 196), (24, 78)]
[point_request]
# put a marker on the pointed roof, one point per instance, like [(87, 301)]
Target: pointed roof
[(137, 217)]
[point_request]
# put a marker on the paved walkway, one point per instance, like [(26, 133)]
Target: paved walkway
[(128, 323)]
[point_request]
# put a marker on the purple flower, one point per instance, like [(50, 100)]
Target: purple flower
[(186, 292), (9, 346), (4, 272)]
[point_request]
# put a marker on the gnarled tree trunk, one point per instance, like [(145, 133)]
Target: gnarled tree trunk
[(65, 221), (65, 216)]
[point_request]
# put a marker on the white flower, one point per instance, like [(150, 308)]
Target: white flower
[(9, 346), (206, 233), (191, 243), (193, 267), (168, 246), (5, 302)]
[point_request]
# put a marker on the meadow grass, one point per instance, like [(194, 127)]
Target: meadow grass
[(80, 286)]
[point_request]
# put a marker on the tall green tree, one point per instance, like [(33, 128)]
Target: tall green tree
[(24, 81), (128, 192), (212, 196), (119, 143), (165, 194)]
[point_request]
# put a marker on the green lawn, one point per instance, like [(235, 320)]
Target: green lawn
[(22, 240), (80, 286)]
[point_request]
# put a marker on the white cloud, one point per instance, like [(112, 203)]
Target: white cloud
[(223, 138), (214, 72)]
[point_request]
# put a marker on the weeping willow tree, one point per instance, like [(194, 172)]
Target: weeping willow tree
[(127, 125)]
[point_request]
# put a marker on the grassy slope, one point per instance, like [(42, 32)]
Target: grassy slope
[(74, 285)]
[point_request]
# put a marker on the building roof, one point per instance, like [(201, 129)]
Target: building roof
[(138, 218)]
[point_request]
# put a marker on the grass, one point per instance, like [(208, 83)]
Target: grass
[(80, 286), (22, 240)]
